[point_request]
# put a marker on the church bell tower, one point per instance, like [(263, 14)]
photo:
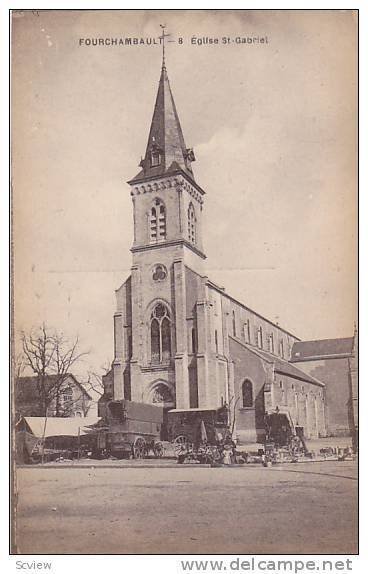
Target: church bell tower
[(167, 201), (154, 322)]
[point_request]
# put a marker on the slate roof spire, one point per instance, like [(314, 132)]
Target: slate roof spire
[(166, 152)]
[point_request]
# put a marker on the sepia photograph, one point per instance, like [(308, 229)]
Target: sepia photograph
[(185, 282)]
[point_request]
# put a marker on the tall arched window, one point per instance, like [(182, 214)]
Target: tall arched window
[(247, 332), (260, 338), (191, 224), (282, 352), (157, 221), (247, 394), (283, 394), (234, 324), (160, 334), (271, 346)]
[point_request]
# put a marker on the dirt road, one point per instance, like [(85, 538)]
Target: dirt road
[(300, 508)]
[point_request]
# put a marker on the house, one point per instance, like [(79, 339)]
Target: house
[(63, 396)]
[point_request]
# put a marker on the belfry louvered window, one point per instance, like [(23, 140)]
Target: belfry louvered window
[(160, 334), (191, 224), (157, 221)]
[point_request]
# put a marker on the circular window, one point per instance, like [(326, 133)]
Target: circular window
[(159, 273)]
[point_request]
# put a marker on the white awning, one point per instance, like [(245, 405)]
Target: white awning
[(59, 426)]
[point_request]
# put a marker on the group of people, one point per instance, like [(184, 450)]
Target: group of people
[(223, 453)]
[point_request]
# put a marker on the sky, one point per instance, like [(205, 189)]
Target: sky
[(273, 127)]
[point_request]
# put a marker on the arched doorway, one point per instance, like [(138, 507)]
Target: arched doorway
[(162, 394)]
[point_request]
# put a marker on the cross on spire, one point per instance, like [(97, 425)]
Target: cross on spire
[(162, 38)]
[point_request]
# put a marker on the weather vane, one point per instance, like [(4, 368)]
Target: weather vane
[(162, 38)]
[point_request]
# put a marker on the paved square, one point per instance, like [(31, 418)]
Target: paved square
[(300, 508)]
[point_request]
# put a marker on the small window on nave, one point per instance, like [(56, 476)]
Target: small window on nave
[(247, 394), (234, 323), (260, 338), (246, 331), (282, 352), (271, 346)]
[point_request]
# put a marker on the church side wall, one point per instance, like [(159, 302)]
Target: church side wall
[(249, 421), (304, 401), (334, 373), (246, 325)]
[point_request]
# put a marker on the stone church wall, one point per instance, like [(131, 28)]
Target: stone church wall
[(248, 420), (335, 374)]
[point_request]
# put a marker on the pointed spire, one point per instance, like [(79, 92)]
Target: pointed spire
[(166, 151)]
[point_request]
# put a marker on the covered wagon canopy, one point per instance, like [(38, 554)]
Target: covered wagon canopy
[(282, 410), (56, 426)]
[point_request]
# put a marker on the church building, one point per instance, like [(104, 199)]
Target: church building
[(179, 339)]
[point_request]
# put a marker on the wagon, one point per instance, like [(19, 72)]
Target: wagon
[(129, 429), (284, 440), (189, 428)]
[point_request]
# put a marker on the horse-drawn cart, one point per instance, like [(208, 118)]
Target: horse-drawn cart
[(284, 440), (198, 433), (129, 429)]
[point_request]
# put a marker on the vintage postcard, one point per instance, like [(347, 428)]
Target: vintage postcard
[(185, 337)]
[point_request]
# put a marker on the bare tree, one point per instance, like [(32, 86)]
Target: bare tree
[(95, 380), (50, 356), (19, 364)]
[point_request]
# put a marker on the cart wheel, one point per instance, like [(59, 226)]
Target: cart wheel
[(158, 449), (181, 444), (139, 448)]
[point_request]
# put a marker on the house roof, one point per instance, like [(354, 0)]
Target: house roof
[(27, 386), (322, 349), (281, 366), (58, 426)]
